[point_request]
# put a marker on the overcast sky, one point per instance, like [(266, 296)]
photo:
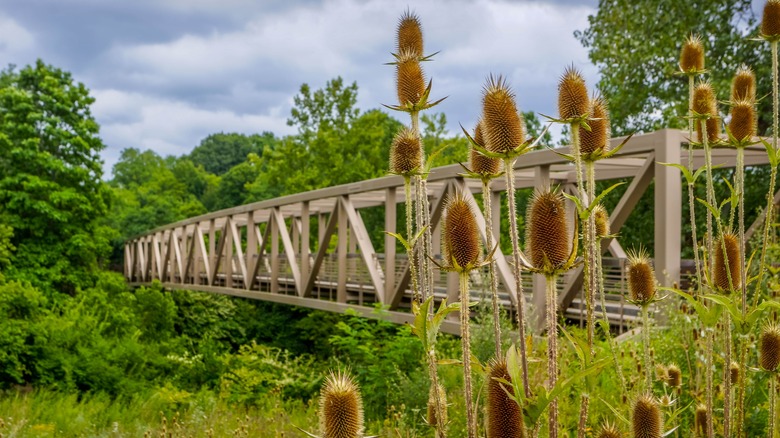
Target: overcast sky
[(166, 73)]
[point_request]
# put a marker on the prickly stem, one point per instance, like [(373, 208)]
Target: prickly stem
[(487, 207), (552, 351), (409, 236), (691, 186), (471, 421), (646, 348)]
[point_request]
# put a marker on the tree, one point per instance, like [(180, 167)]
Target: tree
[(51, 192), (636, 45), (217, 153), (331, 108)]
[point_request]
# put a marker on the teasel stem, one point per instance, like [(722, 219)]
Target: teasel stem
[(727, 393), (595, 252), (509, 168), (610, 340), (585, 199), (740, 183), (772, 176), (691, 185), (471, 421), (410, 235), (741, 387), (487, 207), (710, 366), (427, 240), (710, 195), (583, 424), (552, 351), (441, 429), (772, 403), (420, 246), (646, 347)]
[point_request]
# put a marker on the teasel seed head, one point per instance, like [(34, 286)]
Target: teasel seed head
[(479, 163), (502, 125), (432, 416), (504, 418), (460, 234), (743, 86), (743, 123), (673, 376), (409, 36), (609, 431), (405, 152), (734, 373), (573, 97), (769, 347), (602, 221), (770, 23), (692, 55), (641, 277), (647, 419), (723, 268), (597, 139), (410, 79), (705, 103), (547, 231), (701, 420), (341, 407)]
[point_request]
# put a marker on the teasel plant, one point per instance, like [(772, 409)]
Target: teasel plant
[(647, 420), (341, 408), (503, 416), (642, 290), (769, 359), (486, 169)]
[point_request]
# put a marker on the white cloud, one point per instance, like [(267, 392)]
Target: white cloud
[(14, 39)]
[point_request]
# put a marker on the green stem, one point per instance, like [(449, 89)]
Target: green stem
[(710, 196), (552, 351), (509, 165), (583, 425), (646, 347), (471, 421), (741, 387), (487, 207), (409, 236), (740, 183), (727, 396), (772, 404), (583, 196), (710, 368), (691, 185), (593, 251), (441, 429), (419, 248)]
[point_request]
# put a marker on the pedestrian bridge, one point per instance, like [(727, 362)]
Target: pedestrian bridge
[(318, 249)]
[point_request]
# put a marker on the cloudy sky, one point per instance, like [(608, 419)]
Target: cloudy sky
[(166, 73)]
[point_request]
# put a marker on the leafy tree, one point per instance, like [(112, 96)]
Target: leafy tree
[(232, 187), (217, 153), (51, 192), (198, 181), (331, 108), (636, 46)]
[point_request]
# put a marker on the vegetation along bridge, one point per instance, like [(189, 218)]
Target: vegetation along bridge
[(263, 250)]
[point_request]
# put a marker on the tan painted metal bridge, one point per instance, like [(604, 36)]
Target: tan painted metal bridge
[(262, 251)]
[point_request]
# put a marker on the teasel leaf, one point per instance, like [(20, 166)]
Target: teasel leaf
[(601, 196), (619, 415), (709, 316)]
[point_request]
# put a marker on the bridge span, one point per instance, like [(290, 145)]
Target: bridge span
[(314, 249)]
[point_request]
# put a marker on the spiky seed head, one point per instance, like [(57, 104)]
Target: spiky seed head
[(405, 152), (673, 376), (641, 277), (692, 55), (597, 139), (701, 420), (705, 103), (432, 416), (460, 234), (479, 163), (547, 232), (409, 36), (743, 86), (410, 79), (341, 407), (609, 431), (734, 373), (723, 267), (502, 125), (504, 418), (573, 97), (602, 221), (647, 419), (769, 347), (743, 120), (770, 22)]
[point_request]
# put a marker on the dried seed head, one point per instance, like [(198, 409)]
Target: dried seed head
[(405, 152), (673, 376), (502, 125), (725, 268), (602, 221), (547, 232), (504, 418), (432, 418), (660, 373), (705, 103), (479, 163), (769, 347), (597, 139), (460, 234), (572, 94), (410, 79), (692, 55), (734, 373), (743, 86), (743, 120), (409, 35), (701, 420), (647, 419), (609, 431), (770, 23), (341, 408), (641, 277)]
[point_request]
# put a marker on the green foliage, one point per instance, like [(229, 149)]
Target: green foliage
[(218, 153)]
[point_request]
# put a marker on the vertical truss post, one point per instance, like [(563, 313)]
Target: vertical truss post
[(390, 227), (668, 204)]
